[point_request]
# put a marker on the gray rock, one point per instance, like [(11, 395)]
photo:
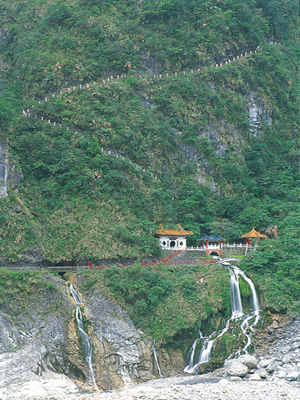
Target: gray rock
[(236, 379), (271, 367), (9, 177), (281, 374), (264, 363), (236, 368), (220, 372), (262, 372), (293, 376), (254, 377), (250, 361)]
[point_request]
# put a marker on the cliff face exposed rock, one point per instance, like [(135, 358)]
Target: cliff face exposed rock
[(33, 339), (9, 177), (258, 114), (40, 345), (122, 354)]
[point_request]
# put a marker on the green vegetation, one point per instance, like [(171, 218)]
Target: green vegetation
[(276, 267), (25, 293), (13, 284), (217, 175), (169, 303)]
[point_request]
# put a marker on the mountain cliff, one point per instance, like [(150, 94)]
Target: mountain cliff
[(211, 148)]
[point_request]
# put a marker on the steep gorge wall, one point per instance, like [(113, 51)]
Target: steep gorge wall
[(40, 344), (9, 176)]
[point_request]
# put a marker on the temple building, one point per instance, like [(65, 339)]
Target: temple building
[(253, 235), (172, 239), (213, 245)]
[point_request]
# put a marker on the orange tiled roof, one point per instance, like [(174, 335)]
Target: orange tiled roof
[(173, 232), (254, 234)]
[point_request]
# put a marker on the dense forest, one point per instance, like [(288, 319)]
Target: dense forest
[(191, 150)]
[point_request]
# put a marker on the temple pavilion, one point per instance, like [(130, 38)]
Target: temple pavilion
[(172, 239), (253, 235), (213, 245)]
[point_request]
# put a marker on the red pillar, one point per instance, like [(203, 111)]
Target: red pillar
[(220, 244), (246, 242), (203, 244), (207, 244), (90, 264), (249, 243)]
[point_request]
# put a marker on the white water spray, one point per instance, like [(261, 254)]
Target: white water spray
[(156, 360), (86, 341), (191, 356), (235, 295), (248, 322)]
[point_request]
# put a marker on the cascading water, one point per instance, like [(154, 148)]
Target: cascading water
[(156, 360), (191, 356), (248, 322), (251, 320), (86, 341), (235, 295), (75, 295)]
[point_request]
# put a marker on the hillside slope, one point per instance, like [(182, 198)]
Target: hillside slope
[(218, 146)]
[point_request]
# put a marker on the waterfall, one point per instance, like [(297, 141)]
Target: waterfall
[(86, 341), (75, 295), (248, 322), (235, 295), (251, 320), (156, 360), (191, 356)]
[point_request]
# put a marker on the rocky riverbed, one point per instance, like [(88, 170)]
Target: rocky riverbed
[(272, 373), (204, 387)]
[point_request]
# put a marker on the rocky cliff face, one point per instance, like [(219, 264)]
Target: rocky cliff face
[(9, 177), (40, 347), (33, 341), (122, 354)]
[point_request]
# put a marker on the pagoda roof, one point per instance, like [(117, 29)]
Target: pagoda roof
[(254, 234), (212, 238), (173, 232)]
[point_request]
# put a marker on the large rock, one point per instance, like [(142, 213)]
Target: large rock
[(293, 376), (236, 368), (262, 372), (254, 377), (123, 354), (33, 342), (272, 366), (249, 361)]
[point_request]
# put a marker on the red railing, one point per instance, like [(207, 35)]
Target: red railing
[(164, 261)]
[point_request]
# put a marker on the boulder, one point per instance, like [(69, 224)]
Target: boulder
[(271, 367), (264, 363), (236, 368), (262, 372), (293, 376), (250, 361), (254, 377)]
